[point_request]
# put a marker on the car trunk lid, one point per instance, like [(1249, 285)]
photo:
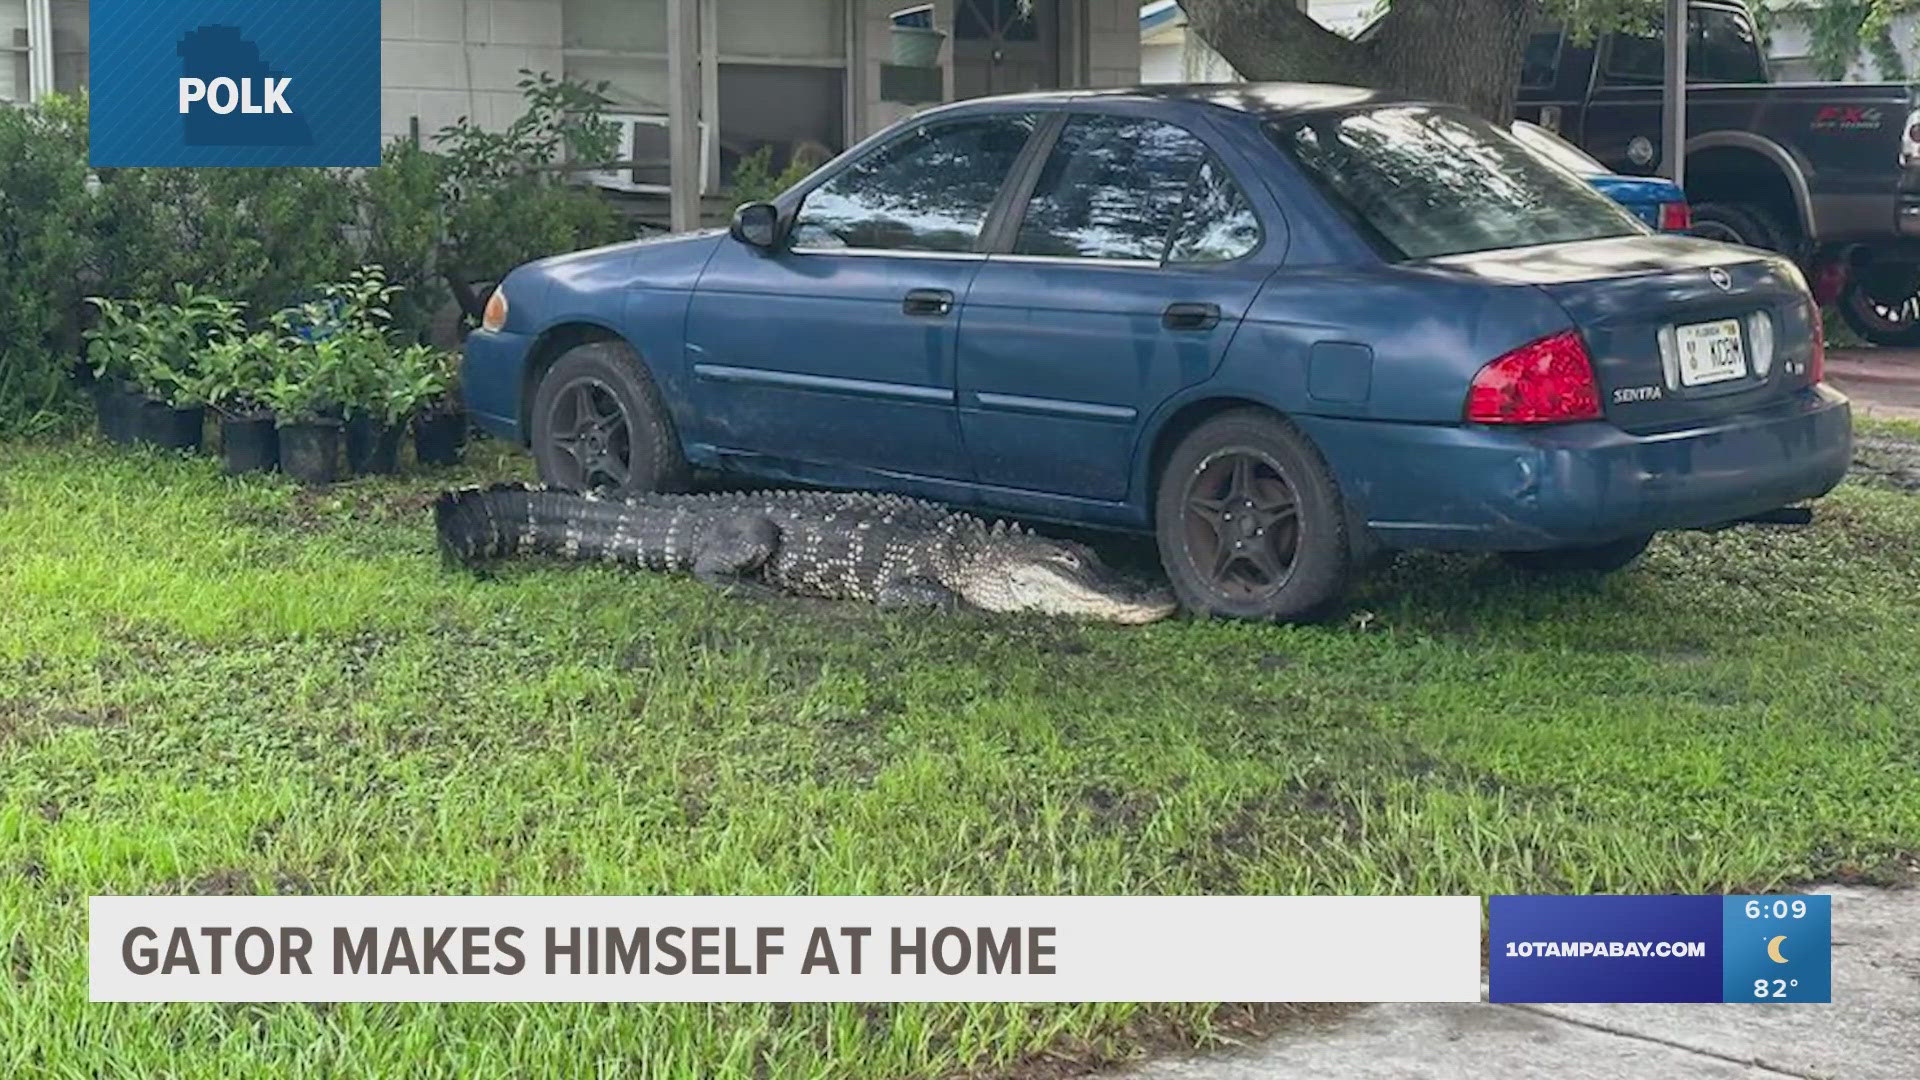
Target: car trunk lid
[(1679, 329)]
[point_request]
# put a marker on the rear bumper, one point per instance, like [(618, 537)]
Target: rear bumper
[(492, 379), (1469, 487)]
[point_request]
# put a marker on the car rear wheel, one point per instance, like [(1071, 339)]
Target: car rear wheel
[(1593, 558), (599, 425), (1881, 303), (1738, 223), (1250, 522)]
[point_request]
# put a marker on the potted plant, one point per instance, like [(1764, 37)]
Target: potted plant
[(304, 394), (112, 347), (440, 422), (237, 370)]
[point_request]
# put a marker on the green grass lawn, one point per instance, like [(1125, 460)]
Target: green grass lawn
[(211, 685)]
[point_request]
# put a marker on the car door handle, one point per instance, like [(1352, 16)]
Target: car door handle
[(1191, 316), (935, 302)]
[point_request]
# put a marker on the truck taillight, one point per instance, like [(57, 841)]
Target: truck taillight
[(1675, 217), (1549, 381), (1910, 141)]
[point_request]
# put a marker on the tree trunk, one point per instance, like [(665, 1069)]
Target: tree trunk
[(1462, 51)]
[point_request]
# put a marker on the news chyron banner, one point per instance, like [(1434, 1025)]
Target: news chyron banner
[(235, 82), (1758, 949), (785, 948)]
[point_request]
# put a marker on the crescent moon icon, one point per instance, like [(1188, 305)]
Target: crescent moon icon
[(1773, 950)]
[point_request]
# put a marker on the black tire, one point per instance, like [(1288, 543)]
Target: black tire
[(599, 424), (1591, 559), (1290, 558), (1879, 322), (1739, 223)]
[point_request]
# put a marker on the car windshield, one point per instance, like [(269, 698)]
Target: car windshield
[(1556, 149), (1426, 181)]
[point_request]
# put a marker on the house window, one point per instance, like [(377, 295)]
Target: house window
[(43, 47)]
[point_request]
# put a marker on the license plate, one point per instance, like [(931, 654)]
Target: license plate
[(1710, 352)]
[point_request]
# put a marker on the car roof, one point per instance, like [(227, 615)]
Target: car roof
[(1267, 99)]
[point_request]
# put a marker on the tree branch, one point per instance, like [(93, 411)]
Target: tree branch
[(1274, 39)]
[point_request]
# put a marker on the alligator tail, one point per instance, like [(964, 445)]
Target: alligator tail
[(478, 524)]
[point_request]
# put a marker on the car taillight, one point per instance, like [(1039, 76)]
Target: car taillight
[(1675, 217), (1817, 366), (1549, 381)]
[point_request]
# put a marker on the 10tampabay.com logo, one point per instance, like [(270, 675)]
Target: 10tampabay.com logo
[(235, 82)]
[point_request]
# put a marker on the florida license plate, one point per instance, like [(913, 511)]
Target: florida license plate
[(1710, 352)]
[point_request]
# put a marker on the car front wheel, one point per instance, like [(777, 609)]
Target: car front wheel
[(599, 425), (1250, 523)]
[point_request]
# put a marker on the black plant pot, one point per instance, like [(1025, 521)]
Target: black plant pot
[(249, 444), (310, 451), (118, 410), (438, 437), (169, 428), (373, 448)]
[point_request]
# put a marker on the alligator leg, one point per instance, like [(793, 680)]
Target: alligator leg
[(736, 550), (917, 592)]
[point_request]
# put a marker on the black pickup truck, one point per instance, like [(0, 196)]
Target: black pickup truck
[(1827, 172)]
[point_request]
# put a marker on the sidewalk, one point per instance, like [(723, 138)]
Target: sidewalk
[(1871, 1032), (1882, 382)]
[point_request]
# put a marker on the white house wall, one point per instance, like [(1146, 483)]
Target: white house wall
[(444, 59)]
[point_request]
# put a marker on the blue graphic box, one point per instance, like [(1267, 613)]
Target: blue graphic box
[(235, 82), (1758, 949)]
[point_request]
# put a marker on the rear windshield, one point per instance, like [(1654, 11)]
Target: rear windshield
[(1424, 182)]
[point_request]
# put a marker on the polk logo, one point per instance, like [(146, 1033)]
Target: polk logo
[(223, 96), (230, 96)]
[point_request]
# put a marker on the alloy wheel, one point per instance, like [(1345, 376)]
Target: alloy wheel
[(590, 427), (1241, 521)]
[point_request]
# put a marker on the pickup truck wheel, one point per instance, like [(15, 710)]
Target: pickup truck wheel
[(599, 425), (1249, 521), (1881, 321), (1738, 223), (1594, 558)]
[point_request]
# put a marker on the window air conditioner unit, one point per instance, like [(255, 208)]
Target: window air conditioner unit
[(644, 145)]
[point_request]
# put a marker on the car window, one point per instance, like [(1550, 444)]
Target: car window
[(1113, 188), (928, 190), (1720, 49), (1219, 224), (1425, 181), (1540, 63)]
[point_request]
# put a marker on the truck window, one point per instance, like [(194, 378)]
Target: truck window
[(1721, 48), (1540, 64)]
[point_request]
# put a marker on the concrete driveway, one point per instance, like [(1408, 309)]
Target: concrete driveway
[(1870, 1032)]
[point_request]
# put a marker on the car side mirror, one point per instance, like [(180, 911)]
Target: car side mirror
[(757, 224)]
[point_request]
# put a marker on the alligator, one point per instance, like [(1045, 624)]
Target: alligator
[(884, 549)]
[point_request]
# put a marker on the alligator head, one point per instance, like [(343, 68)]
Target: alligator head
[(1010, 570)]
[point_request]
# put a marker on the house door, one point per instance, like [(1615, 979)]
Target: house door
[(999, 50)]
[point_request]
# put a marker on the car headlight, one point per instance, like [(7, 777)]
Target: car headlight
[(496, 314)]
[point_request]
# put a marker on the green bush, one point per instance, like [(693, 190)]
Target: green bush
[(262, 237), (506, 203), (755, 181), (46, 227), (404, 210), (160, 347)]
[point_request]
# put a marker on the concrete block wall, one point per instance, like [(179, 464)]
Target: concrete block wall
[(445, 59)]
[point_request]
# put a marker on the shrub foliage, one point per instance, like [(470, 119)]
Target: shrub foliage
[(444, 221)]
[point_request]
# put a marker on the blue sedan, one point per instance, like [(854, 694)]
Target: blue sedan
[(1281, 327)]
